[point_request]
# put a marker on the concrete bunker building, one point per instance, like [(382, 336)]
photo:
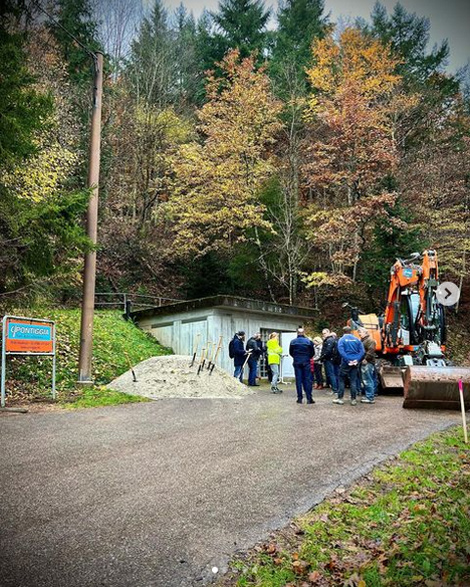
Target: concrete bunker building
[(176, 325)]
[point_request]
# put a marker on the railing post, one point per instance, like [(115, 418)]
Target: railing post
[(128, 309)]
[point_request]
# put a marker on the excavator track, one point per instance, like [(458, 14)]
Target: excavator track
[(435, 387)]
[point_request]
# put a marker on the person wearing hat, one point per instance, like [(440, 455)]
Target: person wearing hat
[(317, 365), (239, 354)]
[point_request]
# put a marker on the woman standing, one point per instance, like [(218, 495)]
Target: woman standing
[(274, 359), (317, 366)]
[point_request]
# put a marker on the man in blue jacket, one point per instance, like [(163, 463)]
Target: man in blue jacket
[(351, 351), (301, 349), (239, 354)]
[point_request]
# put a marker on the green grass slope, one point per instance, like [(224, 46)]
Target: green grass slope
[(29, 379)]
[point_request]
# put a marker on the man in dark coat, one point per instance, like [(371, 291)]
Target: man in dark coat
[(327, 357), (256, 352), (301, 349), (239, 354)]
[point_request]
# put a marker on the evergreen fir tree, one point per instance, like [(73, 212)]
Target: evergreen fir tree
[(408, 35), (189, 76), (76, 16), (152, 69), (241, 24), (299, 23)]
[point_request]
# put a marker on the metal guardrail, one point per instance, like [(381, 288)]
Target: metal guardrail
[(129, 301)]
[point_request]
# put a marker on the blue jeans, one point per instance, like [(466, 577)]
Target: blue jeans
[(331, 375), (360, 383), (303, 379), (238, 372), (368, 378), (349, 371), (317, 374), (253, 366)]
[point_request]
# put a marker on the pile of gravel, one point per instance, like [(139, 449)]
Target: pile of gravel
[(171, 376)]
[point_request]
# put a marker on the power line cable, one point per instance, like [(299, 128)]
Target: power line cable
[(67, 32)]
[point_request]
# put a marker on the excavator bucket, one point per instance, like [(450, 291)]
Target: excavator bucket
[(391, 379), (436, 387)]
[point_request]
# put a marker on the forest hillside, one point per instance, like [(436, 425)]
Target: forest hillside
[(291, 163)]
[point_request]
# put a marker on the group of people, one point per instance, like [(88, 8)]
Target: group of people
[(324, 362), (346, 359)]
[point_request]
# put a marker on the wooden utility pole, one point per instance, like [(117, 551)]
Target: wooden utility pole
[(89, 275)]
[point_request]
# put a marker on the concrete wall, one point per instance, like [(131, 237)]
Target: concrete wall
[(179, 331)]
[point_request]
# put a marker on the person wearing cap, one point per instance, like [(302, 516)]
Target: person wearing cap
[(301, 349), (239, 354), (317, 365), (368, 366), (253, 346), (352, 351)]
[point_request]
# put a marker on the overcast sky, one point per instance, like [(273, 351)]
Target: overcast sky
[(450, 19)]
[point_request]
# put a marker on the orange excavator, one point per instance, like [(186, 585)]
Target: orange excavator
[(410, 337)]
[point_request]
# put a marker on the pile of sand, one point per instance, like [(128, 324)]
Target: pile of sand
[(171, 376)]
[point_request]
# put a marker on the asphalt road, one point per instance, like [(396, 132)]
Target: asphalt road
[(157, 494)]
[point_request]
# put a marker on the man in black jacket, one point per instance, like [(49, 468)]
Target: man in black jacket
[(301, 349), (253, 346), (328, 358)]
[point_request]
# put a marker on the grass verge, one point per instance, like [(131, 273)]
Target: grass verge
[(29, 379), (405, 524)]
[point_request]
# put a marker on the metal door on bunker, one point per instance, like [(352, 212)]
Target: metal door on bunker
[(285, 338), (263, 362)]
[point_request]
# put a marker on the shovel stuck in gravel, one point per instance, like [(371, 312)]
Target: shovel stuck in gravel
[(134, 378), (214, 358), (196, 346), (203, 360)]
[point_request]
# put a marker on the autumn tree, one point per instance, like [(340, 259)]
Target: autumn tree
[(300, 22), (353, 111), (215, 203)]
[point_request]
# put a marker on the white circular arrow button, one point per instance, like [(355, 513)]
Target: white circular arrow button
[(448, 293)]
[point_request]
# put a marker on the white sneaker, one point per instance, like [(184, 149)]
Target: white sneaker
[(367, 401), (353, 402), (338, 401)]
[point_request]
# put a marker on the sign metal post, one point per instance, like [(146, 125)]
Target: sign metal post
[(27, 337)]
